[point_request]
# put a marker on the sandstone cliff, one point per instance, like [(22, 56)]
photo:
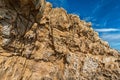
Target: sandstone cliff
[(55, 46)]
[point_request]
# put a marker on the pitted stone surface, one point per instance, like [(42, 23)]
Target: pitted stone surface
[(53, 45)]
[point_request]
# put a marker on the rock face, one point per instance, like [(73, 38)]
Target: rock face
[(53, 45)]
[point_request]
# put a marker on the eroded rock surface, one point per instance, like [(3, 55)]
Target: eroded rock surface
[(58, 46)]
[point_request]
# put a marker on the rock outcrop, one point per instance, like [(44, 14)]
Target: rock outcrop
[(53, 45)]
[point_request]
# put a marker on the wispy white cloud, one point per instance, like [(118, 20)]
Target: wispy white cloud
[(88, 18), (95, 24), (107, 30), (105, 22), (109, 36), (96, 8), (113, 39), (63, 3)]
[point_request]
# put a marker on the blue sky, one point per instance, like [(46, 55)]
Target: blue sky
[(104, 15)]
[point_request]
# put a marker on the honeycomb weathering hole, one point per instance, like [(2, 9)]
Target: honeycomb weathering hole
[(19, 19)]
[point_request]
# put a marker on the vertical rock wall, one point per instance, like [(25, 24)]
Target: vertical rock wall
[(57, 46)]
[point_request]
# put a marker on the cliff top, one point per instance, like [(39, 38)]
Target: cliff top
[(54, 45)]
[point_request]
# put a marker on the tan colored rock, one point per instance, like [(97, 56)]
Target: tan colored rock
[(59, 46)]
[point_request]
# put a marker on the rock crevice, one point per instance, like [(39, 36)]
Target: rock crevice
[(50, 44)]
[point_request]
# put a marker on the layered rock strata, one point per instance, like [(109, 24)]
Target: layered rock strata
[(54, 46)]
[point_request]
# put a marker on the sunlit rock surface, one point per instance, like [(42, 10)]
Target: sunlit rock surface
[(54, 46)]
